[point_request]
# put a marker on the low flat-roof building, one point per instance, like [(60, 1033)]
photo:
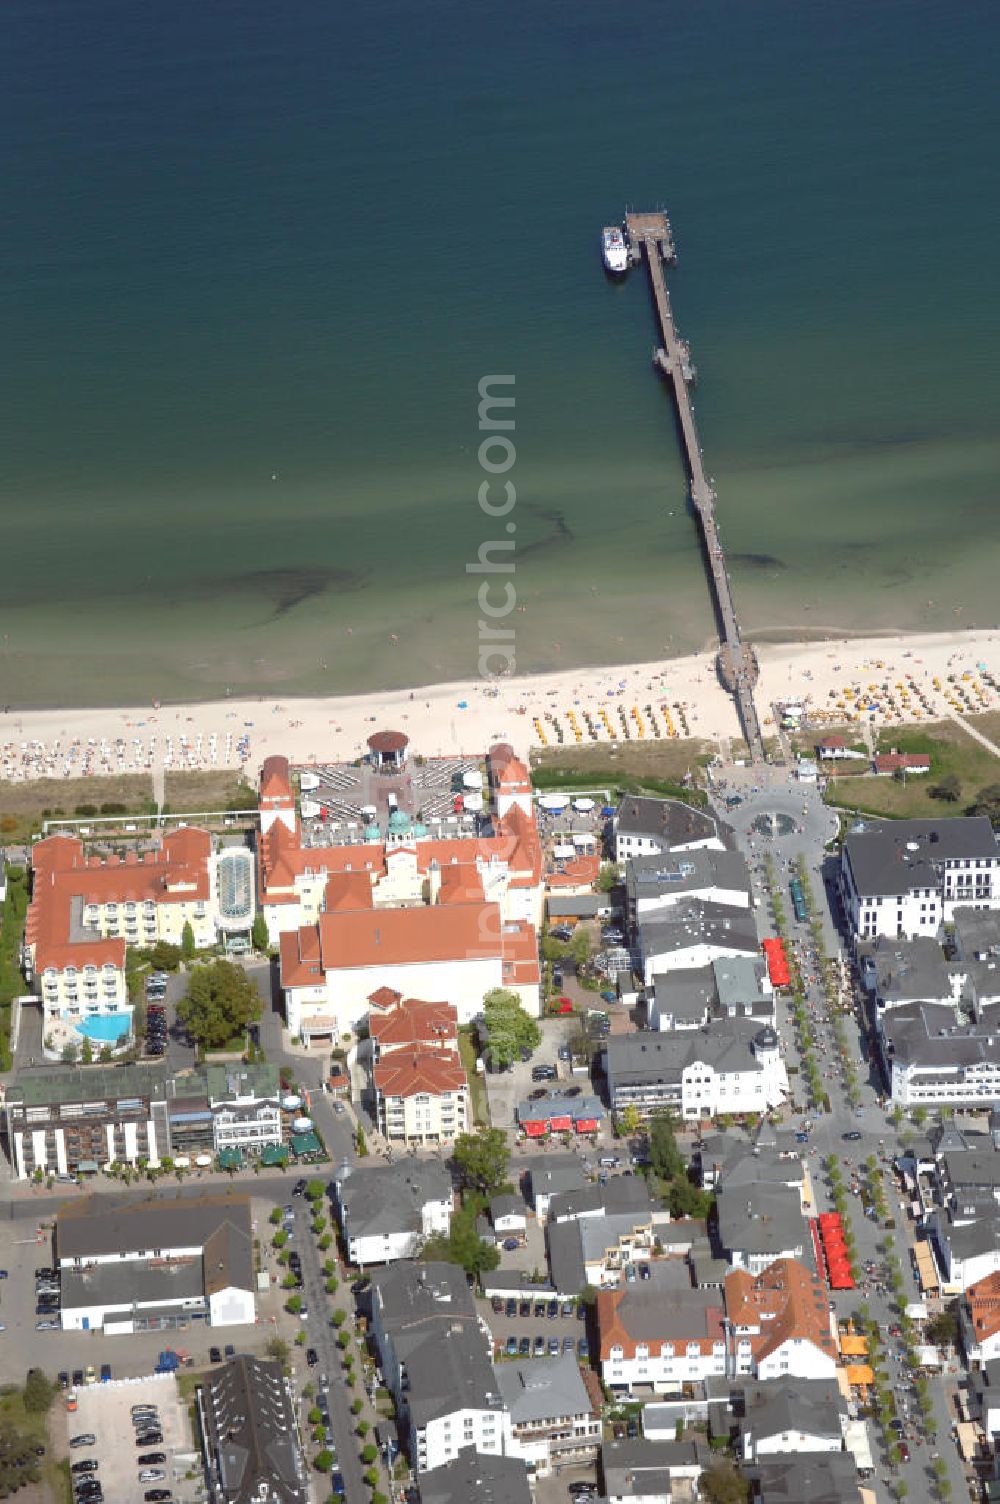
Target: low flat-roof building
[(252, 1447), (133, 1266), (485, 1478)]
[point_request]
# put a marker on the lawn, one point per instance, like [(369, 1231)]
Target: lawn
[(477, 1086), (54, 1485), (23, 806), (208, 790), (657, 767), (953, 754)]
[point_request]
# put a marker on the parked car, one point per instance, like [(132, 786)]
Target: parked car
[(552, 1310), (511, 1243), (215, 1354), (157, 1495), (497, 1304), (553, 1347), (524, 1309), (149, 1439), (63, 1379), (299, 1188), (150, 1459), (568, 1344), (105, 1373), (312, 1357), (337, 1484), (644, 1271), (510, 1308), (583, 1348), (632, 1428), (86, 1465), (152, 1475), (524, 1347), (511, 1347), (539, 1347)]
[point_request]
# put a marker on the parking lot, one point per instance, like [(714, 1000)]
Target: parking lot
[(104, 1410), (507, 1088), (536, 1326)]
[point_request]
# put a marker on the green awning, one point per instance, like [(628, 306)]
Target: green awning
[(230, 1159), (306, 1143), (273, 1154)]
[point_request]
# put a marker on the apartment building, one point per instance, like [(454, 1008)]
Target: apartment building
[(651, 827), (421, 1096), (731, 1067), (906, 878), (550, 1420), (252, 1448), (779, 1323), (386, 1211), (660, 1334)]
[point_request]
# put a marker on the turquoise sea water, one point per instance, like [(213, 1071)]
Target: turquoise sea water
[(257, 258)]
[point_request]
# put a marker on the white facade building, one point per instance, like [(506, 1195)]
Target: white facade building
[(906, 878)]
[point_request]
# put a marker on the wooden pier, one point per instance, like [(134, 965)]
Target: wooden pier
[(737, 662)]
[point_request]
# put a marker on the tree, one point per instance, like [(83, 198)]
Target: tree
[(315, 1189), (948, 788), (369, 1452), (39, 1392), (259, 936), (580, 947), (687, 1200), (666, 1159), (942, 1328), (221, 1001), (323, 1461), (276, 1216), (509, 1029), (188, 946), (68, 1053), (988, 803), (630, 1120), (722, 1484), (462, 1245), (482, 1159), (609, 877), (920, 1116), (86, 1052), (293, 1304)]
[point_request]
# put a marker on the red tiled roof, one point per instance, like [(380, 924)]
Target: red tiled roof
[(461, 883), (299, 951), (62, 872), (832, 744), (579, 872), (385, 997), (405, 1073), (983, 1299), (507, 771), (388, 741), (520, 954), (616, 1310), (275, 780), (413, 1022), (787, 1302), (890, 762), (400, 937), (348, 890)]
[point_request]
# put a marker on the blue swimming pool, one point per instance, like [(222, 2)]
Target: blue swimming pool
[(108, 1027)]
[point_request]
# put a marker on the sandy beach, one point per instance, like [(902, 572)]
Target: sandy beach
[(908, 678)]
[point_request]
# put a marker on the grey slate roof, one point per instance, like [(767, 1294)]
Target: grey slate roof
[(666, 820), (477, 1478), (622, 1193), (409, 1294), (928, 1036), (736, 1161), (507, 1205), (906, 970), (882, 862), (447, 1375), (695, 921), (761, 1220), (977, 933), (665, 1313), (690, 871), (565, 1249), (252, 1439), (807, 1478), (552, 1173), (637, 1058), (813, 1406), (687, 994), (542, 1389), (107, 1224), (132, 1284), (379, 1199), (646, 1467), (967, 1239)]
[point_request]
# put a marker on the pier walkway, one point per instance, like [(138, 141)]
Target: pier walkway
[(737, 662)]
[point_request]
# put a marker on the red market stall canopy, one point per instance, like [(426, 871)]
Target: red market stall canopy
[(536, 1129), (830, 1219), (561, 1125), (586, 1125), (777, 963)]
